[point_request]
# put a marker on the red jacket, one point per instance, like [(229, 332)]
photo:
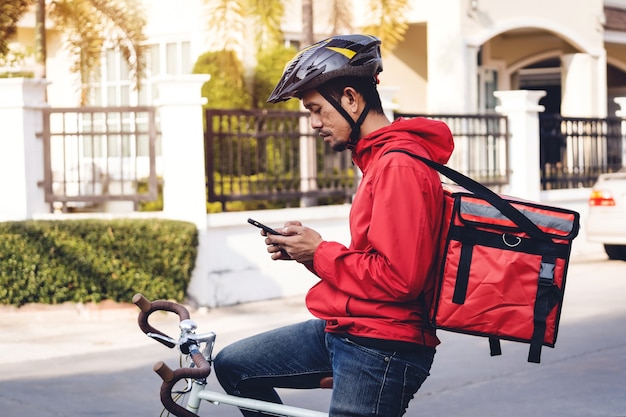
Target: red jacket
[(372, 288)]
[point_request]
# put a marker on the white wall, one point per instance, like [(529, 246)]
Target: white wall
[(235, 266)]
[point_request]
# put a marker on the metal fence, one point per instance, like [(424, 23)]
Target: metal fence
[(481, 146), (260, 155), (574, 151), (271, 155), (99, 154)]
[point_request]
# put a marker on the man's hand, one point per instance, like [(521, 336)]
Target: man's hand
[(295, 242)]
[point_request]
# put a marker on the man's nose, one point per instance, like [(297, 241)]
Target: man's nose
[(316, 123)]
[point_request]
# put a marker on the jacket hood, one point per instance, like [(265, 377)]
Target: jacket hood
[(427, 137)]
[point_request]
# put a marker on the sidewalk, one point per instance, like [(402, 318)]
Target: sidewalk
[(36, 332)]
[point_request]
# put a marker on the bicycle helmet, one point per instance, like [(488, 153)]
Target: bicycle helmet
[(337, 56)]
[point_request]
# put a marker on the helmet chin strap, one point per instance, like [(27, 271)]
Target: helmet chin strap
[(356, 126)]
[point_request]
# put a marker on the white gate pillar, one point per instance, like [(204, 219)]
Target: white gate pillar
[(522, 109), (584, 85), (182, 137), (21, 152)]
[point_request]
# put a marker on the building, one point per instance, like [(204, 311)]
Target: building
[(455, 53)]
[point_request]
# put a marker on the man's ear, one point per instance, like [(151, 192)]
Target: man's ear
[(351, 100)]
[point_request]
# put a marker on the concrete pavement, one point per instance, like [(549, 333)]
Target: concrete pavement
[(93, 360), (36, 332)]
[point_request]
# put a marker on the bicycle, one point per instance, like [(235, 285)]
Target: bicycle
[(197, 349)]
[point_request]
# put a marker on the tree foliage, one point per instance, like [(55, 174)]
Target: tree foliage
[(230, 20), (388, 22), (227, 87), (87, 27), (90, 25), (341, 16), (10, 13), (267, 16), (270, 64)]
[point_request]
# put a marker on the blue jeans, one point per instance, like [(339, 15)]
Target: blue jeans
[(366, 381)]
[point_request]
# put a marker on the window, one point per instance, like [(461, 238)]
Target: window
[(171, 58), (114, 86), (488, 79), (487, 84)]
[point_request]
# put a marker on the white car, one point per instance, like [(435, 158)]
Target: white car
[(606, 222)]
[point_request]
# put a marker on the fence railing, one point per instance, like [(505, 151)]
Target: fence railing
[(574, 151), (481, 145), (257, 155), (99, 154), (271, 155)]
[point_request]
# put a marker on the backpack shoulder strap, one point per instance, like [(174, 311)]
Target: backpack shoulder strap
[(517, 217)]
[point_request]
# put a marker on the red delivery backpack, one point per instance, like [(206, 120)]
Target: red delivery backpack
[(502, 265)]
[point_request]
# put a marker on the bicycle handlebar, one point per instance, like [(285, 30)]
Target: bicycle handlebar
[(148, 307), (169, 376)]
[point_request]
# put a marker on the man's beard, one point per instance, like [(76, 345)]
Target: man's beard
[(339, 147)]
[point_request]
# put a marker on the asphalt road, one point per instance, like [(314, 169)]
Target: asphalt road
[(52, 366)]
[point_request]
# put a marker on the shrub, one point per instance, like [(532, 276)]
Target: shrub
[(270, 65), (91, 260), (227, 87)]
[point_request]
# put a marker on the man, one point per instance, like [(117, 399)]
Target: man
[(371, 333)]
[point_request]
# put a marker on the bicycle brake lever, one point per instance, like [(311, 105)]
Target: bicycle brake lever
[(163, 338)]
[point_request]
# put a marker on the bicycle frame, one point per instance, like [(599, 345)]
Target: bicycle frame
[(250, 404), (189, 343)]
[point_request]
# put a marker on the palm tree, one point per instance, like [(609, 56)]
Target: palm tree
[(90, 24), (341, 16), (87, 26), (307, 22), (386, 17), (233, 23), (10, 13), (388, 22), (230, 19)]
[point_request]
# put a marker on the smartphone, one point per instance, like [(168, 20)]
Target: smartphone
[(264, 227)]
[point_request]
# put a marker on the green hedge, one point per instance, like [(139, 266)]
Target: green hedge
[(91, 260)]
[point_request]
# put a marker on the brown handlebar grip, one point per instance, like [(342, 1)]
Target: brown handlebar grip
[(148, 307), (203, 367), (171, 377), (142, 302), (165, 372)]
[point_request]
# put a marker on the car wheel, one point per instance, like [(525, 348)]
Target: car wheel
[(616, 251)]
